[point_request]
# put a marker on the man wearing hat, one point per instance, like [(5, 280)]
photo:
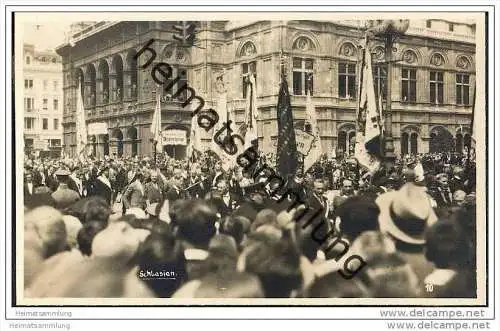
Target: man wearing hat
[(153, 189), (442, 193), (405, 215), (176, 182), (64, 196), (254, 201), (221, 198), (29, 189), (102, 185)]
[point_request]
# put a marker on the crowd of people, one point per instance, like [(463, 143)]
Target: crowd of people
[(139, 227)]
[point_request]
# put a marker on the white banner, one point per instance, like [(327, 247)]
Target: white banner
[(174, 137), (304, 141), (97, 128)]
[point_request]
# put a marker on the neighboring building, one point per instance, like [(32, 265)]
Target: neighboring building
[(43, 102), (432, 85)]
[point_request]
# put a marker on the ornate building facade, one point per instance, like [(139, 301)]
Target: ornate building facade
[(43, 97), (432, 85)]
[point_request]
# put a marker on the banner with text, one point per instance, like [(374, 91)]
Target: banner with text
[(97, 128), (174, 137)]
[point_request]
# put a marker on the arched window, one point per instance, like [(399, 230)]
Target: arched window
[(28, 60), (130, 76), (132, 136), (118, 136), (441, 140), (303, 66), (117, 79), (103, 82), (414, 143), (467, 141), (404, 143), (178, 59), (90, 86), (459, 143), (352, 142), (105, 140), (341, 143)]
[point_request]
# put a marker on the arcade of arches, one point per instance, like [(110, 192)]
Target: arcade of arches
[(411, 142), (109, 80), (116, 144)]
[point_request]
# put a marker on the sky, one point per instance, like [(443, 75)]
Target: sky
[(45, 35)]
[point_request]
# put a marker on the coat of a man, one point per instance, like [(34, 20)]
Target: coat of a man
[(64, 196), (134, 195), (153, 190), (102, 186)]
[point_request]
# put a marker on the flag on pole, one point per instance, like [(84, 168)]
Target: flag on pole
[(251, 113), (368, 131), (315, 151), (156, 123), (286, 153), (194, 138), (81, 126), (380, 114), (476, 122), (228, 161)]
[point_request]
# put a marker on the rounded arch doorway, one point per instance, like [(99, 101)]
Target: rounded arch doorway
[(134, 142), (441, 140), (117, 136)]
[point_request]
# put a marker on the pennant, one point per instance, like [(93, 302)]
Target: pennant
[(315, 151), (156, 123), (286, 153), (368, 130), (81, 126)]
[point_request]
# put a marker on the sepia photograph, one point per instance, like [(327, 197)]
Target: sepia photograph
[(250, 159)]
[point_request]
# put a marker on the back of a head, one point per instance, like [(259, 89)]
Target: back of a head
[(264, 217), (358, 214), (196, 221), (333, 285), (97, 209), (391, 277), (237, 227), (277, 264), (157, 254), (446, 245), (235, 285), (174, 209), (86, 235), (49, 225)]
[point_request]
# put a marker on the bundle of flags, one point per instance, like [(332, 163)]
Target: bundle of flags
[(81, 126), (156, 123), (315, 151), (368, 126), (249, 128), (193, 148), (286, 151), (228, 161)]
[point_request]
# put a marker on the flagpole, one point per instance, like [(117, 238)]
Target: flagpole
[(389, 31), (471, 126)]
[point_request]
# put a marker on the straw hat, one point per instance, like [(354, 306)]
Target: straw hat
[(406, 214)]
